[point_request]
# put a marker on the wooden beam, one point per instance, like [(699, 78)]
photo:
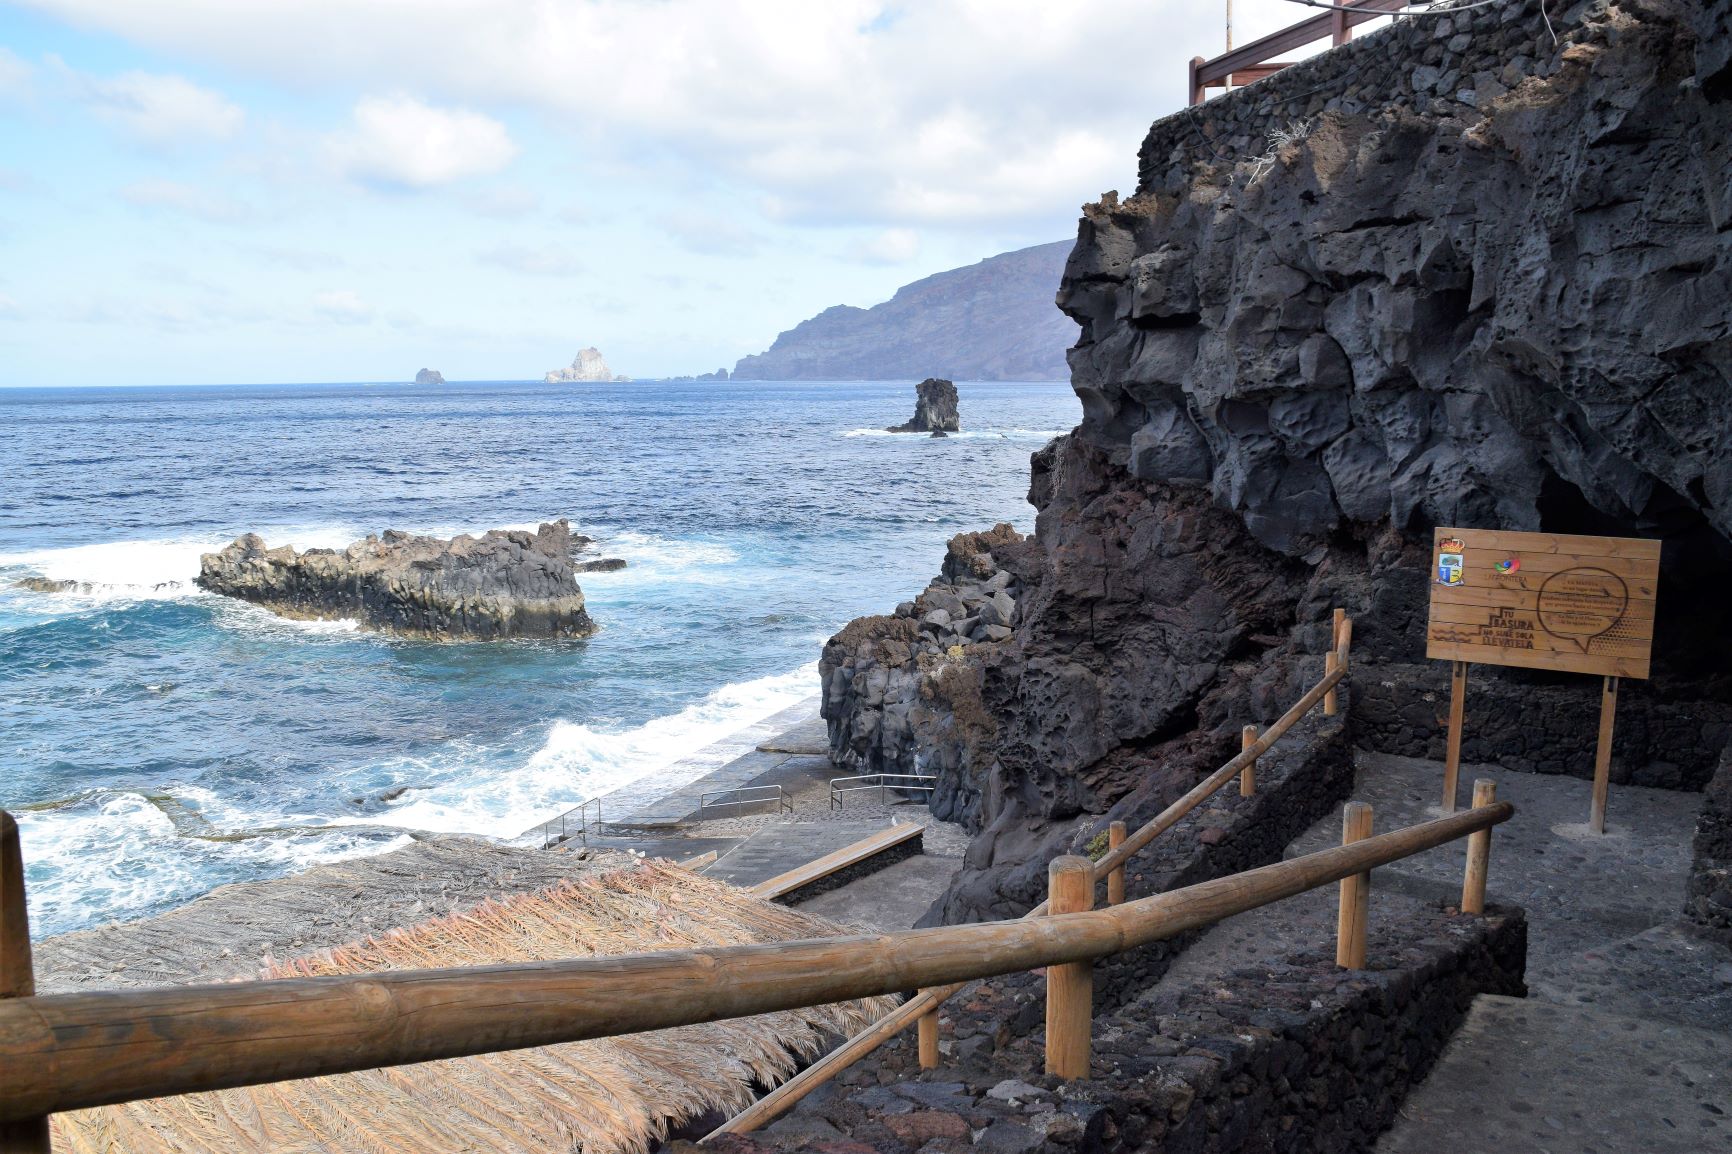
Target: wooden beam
[(1603, 755), (836, 861), (783, 1097), (27, 1135), (1248, 775), (1478, 853), (928, 1038), (1070, 987), (1331, 702), (1452, 747), (1355, 894), (1115, 877), (71, 1051)]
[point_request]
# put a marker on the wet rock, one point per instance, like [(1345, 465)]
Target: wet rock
[(935, 409), (505, 583)]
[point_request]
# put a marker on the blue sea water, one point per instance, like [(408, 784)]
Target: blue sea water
[(156, 741)]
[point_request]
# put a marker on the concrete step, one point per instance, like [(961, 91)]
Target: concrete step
[(1522, 1075)]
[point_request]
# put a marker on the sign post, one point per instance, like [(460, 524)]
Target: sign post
[(1542, 601)]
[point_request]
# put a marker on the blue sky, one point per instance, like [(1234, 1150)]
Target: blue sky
[(203, 191)]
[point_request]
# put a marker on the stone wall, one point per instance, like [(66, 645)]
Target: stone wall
[(1294, 1055)]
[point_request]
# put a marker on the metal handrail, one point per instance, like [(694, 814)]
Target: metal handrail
[(882, 782), (773, 793), (573, 822), (1255, 60)]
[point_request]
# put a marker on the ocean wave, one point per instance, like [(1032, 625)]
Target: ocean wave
[(580, 761), (159, 569)]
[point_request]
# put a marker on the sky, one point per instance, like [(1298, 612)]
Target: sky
[(213, 191)]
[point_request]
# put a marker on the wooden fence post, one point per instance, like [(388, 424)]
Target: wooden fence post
[(1352, 915), (1248, 775), (1478, 853), (1603, 756), (1069, 987), (1197, 93), (1452, 752), (17, 972), (928, 1033), (1330, 702), (1116, 877)]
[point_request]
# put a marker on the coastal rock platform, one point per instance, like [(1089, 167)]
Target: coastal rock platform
[(505, 583)]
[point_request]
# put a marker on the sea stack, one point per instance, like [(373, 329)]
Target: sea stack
[(429, 377), (935, 409), (588, 365), (505, 583)]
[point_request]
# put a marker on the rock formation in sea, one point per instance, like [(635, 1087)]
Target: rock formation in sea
[(588, 365), (991, 321), (1448, 274), (505, 583), (935, 409), (429, 377)]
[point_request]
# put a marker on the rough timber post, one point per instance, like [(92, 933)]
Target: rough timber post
[(1452, 753), (1248, 775), (1351, 916), (1069, 987), (1116, 876), (17, 973), (1603, 755), (1331, 702), (1478, 853), (928, 1033)]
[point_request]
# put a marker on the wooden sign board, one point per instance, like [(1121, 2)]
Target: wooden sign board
[(1543, 600)]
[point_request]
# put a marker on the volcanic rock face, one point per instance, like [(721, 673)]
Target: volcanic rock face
[(935, 409), (429, 377), (505, 583), (1474, 278)]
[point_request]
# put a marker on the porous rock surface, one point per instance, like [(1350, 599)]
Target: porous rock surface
[(935, 409), (1708, 895), (1476, 278), (505, 583)]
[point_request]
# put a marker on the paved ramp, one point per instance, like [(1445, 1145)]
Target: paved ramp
[(1524, 1075)]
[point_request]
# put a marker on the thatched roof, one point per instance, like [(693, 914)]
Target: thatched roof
[(612, 1094)]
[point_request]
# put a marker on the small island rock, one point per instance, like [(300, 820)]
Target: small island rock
[(588, 365), (935, 409), (505, 583), (429, 377)]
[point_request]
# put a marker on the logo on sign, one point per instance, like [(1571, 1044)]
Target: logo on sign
[(1449, 566)]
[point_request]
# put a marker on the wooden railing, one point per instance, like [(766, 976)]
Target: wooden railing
[(1256, 60), (72, 1051), (922, 1009)]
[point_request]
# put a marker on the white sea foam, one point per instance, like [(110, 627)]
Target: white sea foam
[(577, 762), (152, 570)]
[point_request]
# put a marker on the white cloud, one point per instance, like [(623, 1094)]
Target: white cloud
[(506, 202), (343, 306), (713, 235), (161, 111), (892, 246), (399, 141), (186, 200), (544, 260), (15, 74), (849, 111)]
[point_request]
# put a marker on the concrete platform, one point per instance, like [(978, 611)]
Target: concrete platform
[(1523, 1075), (894, 898), (777, 849)]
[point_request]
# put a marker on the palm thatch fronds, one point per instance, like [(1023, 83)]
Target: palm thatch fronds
[(605, 1096)]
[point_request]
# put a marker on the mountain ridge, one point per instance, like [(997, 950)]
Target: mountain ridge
[(994, 320)]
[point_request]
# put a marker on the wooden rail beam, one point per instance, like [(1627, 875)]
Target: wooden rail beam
[(29, 1134), (72, 1051), (1241, 61), (784, 1096)]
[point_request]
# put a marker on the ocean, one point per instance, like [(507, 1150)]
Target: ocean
[(157, 741)]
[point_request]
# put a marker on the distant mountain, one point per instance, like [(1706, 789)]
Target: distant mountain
[(992, 321)]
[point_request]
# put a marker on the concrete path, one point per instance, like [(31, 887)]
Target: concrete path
[(1525, 1075), (777, 849)]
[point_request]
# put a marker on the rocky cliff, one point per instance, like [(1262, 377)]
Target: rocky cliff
[(1452, 273), (991, 321), (429, 377), (935, 409), (505, 583)]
